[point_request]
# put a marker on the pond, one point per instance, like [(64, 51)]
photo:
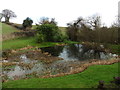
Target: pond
[(73, 56), (78, 52)]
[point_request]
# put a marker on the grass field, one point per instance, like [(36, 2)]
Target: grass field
[(7, 29), (17, 43), (34, 26), (25, 41), (63, 30), (86, 79)]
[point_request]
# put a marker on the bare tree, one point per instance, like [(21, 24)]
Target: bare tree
[(8, 14), (53, 21), (116, 23), (43, 20), (81, 29), (94, 21), (46, 20), (74, 28)]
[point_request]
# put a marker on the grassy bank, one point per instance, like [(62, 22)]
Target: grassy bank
[(7, 29), (86, 79), (21, 42), (115, 48), (25, 41)]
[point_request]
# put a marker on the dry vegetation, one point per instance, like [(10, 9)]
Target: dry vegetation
[(85, 66)]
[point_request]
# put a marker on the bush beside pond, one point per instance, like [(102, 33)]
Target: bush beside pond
[(49, 33)]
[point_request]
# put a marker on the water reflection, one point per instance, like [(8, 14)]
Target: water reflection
[(16, 72), (77, 52), (55, 51)]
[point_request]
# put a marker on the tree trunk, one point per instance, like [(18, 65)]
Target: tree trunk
[(7, 19)]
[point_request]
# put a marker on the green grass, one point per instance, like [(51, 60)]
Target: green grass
[(17, 43), (86, 79), (34, 26), (63, 30), (25, 41), (7, 29), (115, 48)]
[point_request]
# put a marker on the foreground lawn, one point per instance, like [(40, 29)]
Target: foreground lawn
[(86, 79)]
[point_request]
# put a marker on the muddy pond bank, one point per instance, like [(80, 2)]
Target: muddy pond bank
[(36, 54)]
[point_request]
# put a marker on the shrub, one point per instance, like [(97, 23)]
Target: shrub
[(116, 80), (49, 32), (101, 85), (113, 84), (40, 37), (27, 23)]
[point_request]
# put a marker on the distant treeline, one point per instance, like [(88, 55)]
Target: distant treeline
[(103, 35), (92, 31)]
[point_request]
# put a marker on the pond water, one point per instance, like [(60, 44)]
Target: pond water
[(77, 52), (73, 56)]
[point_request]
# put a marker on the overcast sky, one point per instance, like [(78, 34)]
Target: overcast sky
[(64, 11)]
